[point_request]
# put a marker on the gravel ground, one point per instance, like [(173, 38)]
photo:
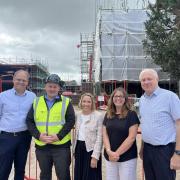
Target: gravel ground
[(35, 174), (33, 166)]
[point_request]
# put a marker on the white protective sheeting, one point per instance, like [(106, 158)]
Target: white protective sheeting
[(121, 50), (97, 51)]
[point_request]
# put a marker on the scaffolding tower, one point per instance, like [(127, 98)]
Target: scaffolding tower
[(38, 70), (86, 56), (119, 56), (120, 32), (121, 4)]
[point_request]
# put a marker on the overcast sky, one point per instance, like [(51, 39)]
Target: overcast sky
[(46, 29)]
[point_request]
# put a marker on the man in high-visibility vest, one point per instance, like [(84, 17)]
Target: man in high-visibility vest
[(50, 121)]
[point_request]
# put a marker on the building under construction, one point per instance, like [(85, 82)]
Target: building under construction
[(118, 50), (37, 69), (86, 61)]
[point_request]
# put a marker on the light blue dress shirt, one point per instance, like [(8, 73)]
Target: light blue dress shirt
[(50, 102), (158, 115), (14, 109)]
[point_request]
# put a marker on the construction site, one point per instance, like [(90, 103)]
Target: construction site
[(111, 57), (37, 69)]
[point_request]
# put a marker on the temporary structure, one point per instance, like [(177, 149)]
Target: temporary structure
[(119, 53)]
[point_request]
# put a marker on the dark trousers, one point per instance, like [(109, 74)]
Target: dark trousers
[(83, 170), (156, 162), (60, 157), (14, 149)]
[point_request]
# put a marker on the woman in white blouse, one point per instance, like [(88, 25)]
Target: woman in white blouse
[(88, 140)]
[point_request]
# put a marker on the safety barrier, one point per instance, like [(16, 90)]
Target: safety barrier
[(29, 167), (32, 169)]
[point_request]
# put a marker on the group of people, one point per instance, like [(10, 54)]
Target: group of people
[(51, 117)]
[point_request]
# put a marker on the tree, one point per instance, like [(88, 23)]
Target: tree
[(163, 36)]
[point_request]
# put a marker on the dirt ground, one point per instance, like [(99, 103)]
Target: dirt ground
[(33, 173), (32, 169), (33, 166)]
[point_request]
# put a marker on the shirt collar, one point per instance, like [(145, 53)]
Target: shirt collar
[(16, 93), (155, 92), (56, 98)]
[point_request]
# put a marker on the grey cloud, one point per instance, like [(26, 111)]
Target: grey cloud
[(46, 29), (67, 16)]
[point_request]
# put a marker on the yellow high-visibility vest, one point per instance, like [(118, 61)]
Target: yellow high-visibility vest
[(50, 121)]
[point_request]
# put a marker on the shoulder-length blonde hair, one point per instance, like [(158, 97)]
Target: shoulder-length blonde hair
[(111, 111), (93, 107)]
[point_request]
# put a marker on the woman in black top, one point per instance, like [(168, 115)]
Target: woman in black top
[(119, 136)]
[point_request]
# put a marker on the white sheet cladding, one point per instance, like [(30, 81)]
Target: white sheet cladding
[(122, 55)]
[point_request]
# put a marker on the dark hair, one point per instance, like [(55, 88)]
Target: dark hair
[(111, 111)]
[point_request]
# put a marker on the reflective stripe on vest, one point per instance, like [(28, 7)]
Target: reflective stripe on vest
[(52, 124), (37, 100), (63, 111)]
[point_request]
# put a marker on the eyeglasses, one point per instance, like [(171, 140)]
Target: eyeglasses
[(21, 80), (121, 97)]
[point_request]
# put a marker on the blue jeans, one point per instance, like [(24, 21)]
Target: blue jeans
[(14, 149)]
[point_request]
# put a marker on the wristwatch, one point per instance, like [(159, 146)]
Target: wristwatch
[(177, 152)]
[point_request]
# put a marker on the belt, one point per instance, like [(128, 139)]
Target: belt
[(14, 133), (158, 146)]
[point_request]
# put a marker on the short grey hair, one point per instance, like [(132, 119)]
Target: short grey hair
[(148, 70), (21, 70)]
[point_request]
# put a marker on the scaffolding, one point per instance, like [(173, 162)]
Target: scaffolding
[(121, 4), (86, 56), (119, 56), (38, 70), (120, 30)]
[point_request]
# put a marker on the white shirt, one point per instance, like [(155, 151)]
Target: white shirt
[(84, 119)]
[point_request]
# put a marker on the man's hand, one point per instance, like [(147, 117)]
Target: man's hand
[(54, 138), (175, 162), (44, 138), (48, 139)]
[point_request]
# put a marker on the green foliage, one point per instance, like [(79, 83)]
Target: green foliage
[(163, 39), (167, 3)]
